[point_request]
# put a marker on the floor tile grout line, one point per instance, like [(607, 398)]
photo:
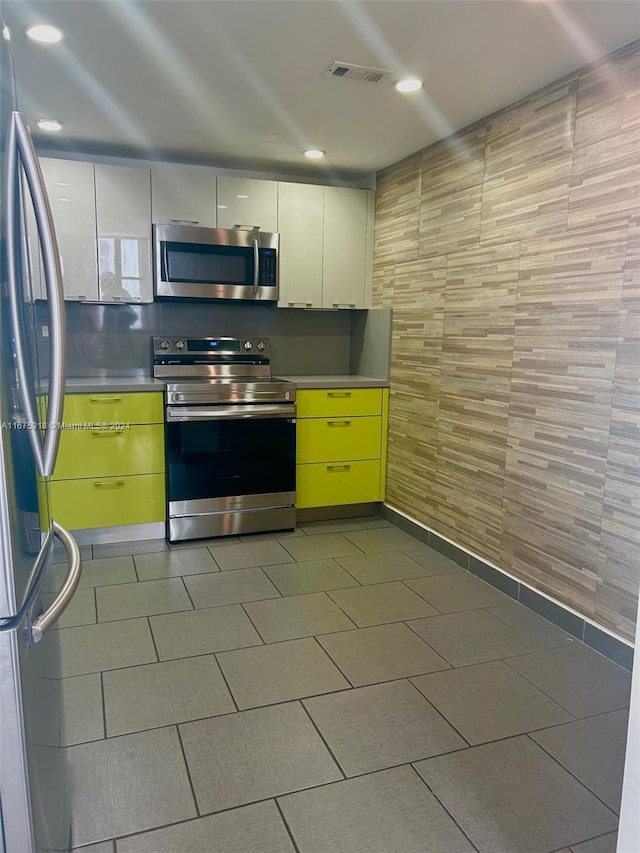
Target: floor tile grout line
[(104, 708), (404, 581), (141, 616), (586, 840), (286, 825), (188, 769), (572, 774), (135, 566), (186, 589), (548, 695), (342, 610), (337, 666), (153, 640), (437, 710), (224, 678), (442, 805), (441, 656), (322, 737), (255, 628)]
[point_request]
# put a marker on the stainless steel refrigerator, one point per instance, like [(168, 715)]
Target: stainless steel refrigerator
[(34, 589)]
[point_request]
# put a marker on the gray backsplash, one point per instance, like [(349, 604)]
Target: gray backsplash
[(115, 340)]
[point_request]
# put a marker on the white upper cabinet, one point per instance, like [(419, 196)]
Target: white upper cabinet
[(347, 247), (183, 198), (300, 217), (123, 215), (247, 202), (70, 186)]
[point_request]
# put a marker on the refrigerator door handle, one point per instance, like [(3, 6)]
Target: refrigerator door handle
[(20, 148), (55, 610)]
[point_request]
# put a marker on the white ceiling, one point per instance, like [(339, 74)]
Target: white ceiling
[(237, 83)]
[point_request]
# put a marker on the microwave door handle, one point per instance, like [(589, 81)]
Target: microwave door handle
[(55, 298), (256, 265)]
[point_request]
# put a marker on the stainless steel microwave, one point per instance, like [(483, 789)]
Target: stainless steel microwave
[(192, 262)]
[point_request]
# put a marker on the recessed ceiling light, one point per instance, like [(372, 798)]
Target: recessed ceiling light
[(314, 153), (51, 124), (410, 84), (44, 33)]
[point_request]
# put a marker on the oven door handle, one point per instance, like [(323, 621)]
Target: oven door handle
[(178, 414)]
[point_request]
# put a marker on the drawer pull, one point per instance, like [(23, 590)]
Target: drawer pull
[(335, 468), (103, 433), (338, 393), (108, 484), (338, 423), (106, 399)]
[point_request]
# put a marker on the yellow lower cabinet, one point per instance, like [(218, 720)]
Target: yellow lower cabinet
[(338, 402), (108, 501), (146, 407), (137, 449), (330, 484), (338, 439)]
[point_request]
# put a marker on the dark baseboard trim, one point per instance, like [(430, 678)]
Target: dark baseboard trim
[(595, 637)]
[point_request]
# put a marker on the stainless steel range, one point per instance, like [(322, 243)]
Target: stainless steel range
[(230, 433)]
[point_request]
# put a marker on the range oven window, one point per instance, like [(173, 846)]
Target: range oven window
[(225, 458)]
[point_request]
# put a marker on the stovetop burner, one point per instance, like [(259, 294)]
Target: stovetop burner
[(218, 370)]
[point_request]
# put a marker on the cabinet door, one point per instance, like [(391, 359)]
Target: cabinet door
[(70, 186), (247, 202), (337, 483), (300, 215), (123, 208), (346, 268), (187, 198)]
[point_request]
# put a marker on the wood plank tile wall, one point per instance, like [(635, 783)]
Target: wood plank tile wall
[(510, 254)]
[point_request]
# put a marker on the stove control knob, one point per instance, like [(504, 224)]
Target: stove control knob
[(164, 345), (247, 345), (261, 346), (179, 345)]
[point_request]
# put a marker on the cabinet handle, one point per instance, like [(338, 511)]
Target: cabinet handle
[(338, 423), (103, 433), (344, 304), (186, 221), (108, 484), (300, 304), (338, 393), (81, 297), (106, 399), (334, 468)]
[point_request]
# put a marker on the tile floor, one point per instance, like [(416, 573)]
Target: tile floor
[(340, 688)]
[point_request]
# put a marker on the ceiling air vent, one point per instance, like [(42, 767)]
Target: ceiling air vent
[(360, 73)]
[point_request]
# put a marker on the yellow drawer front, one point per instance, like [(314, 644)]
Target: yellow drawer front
[(108, 501), (110, 452), (337, 402), (134, 408), (333, 439), (336, 483)]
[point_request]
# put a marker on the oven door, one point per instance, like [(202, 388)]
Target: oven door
[(223, 458)]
